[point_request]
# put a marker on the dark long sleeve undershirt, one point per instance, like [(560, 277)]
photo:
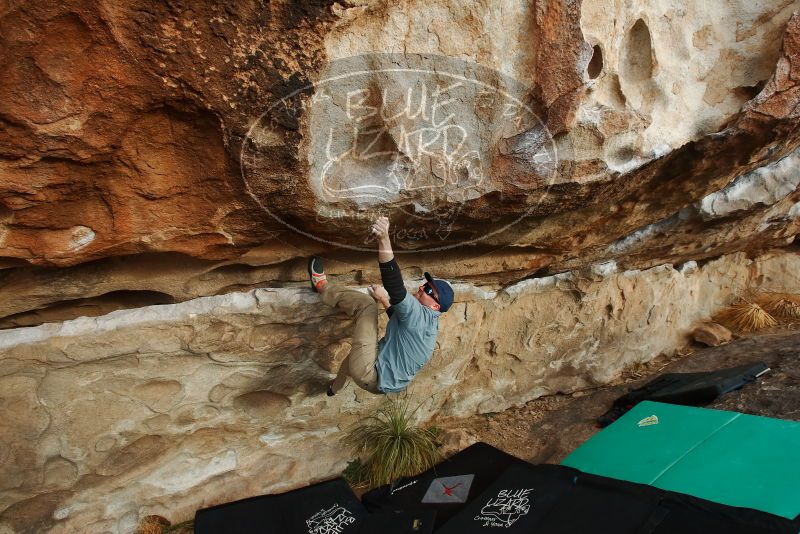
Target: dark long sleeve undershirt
[(392, 280)]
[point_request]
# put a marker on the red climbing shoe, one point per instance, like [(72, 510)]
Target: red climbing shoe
[(316, 273)]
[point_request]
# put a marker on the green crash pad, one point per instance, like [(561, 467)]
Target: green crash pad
[(726, 457)]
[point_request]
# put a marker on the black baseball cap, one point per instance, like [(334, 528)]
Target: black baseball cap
[(444, 292)]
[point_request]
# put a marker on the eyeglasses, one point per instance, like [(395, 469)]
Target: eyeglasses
[(428, 289)]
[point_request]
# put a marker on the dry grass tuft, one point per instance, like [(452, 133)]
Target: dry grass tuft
[(782, 305), (745, 316), (152, 524)]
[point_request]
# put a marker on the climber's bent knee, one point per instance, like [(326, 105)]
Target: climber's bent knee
[(361, 366)]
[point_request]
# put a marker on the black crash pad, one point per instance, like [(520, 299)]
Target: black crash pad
[(319, 509), (687, 389), (325, 508), (417, 522), (552, 499), (483, 461)]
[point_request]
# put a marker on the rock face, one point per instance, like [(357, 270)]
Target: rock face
[(165, 409), (165, 159), (158, 152)]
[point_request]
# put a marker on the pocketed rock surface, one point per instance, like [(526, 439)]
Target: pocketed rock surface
[(148, 152)]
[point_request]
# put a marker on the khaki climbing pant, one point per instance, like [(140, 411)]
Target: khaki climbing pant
[(360, 363)]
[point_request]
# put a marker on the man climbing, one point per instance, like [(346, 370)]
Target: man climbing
[(388, 365)]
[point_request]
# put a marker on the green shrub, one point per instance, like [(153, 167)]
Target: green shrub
[(390, 445)]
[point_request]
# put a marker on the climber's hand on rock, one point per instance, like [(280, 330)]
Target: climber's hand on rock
[(377, 292), (380, 229)]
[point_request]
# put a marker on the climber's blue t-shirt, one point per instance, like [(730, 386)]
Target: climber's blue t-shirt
[(408, 344)]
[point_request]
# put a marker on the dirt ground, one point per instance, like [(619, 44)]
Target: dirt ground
[(546, 430)]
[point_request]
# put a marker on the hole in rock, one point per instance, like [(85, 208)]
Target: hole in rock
[(5, 213), (637, 56), (703, 261), (88, 307), (749, 92), (8, 263), (596, 63)]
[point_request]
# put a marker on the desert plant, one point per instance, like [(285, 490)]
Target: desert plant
[(745, 316), (391, 445), (781, 305), (355, 474)]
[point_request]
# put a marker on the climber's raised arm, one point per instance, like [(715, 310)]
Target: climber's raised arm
[(380, 229), (390, 272)]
